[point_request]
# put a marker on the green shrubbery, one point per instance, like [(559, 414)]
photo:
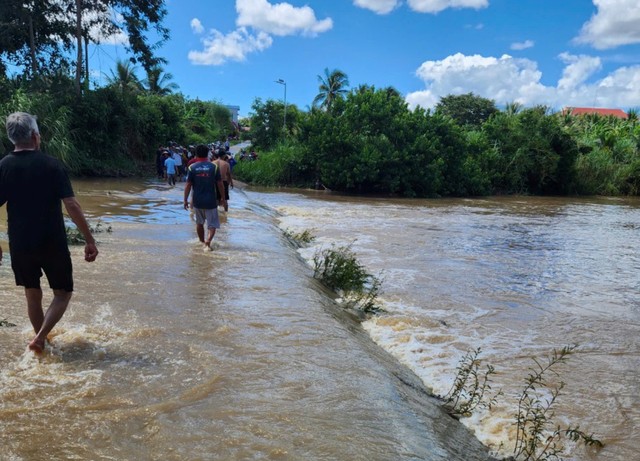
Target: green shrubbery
[(371, 143), (339, 269), (113, 130)]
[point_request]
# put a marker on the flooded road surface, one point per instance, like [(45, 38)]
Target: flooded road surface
[(168, 352)]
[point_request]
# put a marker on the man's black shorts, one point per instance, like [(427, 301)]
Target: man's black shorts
[(226, 191), (54, 262)]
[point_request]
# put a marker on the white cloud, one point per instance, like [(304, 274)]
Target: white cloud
[(617, 22), (522, 45), (435, 6), (507, 79), (378, 6), (266, 19), (196, 26), (220, 48), (280, 19), (578, 70)]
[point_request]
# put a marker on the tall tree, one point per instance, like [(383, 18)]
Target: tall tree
[(124, 78), (332, 86), (33, 35), (159, 82), (134, 18), (467, 109)]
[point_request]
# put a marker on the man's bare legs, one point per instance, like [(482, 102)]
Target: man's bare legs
[(34, 307), (47, 320), (212, 233), (200, 232)]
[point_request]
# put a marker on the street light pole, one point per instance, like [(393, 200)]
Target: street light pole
[(282, 82)]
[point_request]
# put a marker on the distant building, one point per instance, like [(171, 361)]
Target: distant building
[(234, 113), (592, 110)]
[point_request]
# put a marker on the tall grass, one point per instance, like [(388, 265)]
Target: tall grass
[(339, 269)]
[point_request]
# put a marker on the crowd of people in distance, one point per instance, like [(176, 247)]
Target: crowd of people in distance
[(172, 160), (244, 155)]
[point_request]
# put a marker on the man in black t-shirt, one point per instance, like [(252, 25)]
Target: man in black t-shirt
[(203, 178), (33, 184)]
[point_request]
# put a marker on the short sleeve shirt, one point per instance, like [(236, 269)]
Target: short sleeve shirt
[(170, 165), (203, 176), (33, 184)]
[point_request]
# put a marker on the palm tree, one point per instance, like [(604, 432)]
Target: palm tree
[(159, 82), (125, 77), (332, 87), (513, 108)]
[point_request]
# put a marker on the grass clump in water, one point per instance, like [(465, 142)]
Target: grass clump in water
[(5, 323), (75, 237), (339, 269), (300, 238)]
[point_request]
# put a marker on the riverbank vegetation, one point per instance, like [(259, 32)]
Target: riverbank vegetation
[(113, 130), (538, 435), (368, 141)]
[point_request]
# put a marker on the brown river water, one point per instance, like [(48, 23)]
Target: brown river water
[(168, 352)]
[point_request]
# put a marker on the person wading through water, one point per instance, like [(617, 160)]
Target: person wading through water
[(33, 185), (204, 179)]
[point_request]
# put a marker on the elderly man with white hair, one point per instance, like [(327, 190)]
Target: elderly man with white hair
[(33, 185)]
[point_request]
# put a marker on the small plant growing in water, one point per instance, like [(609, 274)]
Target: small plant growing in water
[(535, 415), (339, 269), (470, 386), (75, 237), (300, 238)]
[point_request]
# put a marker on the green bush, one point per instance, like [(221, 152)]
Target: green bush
[(338, 269)]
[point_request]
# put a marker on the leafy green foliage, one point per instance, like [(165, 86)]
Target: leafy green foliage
[(531, 153), (283, 166), (468, 110), (332, 86), (470, 386), (300, 238), (267, 123), (535, 414), (608, 162), (339, 269)]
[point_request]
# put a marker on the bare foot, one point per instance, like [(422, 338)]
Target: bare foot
[(207, 246), (37, 346)]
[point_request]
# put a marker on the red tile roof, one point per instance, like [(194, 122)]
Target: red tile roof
[(592, 110)]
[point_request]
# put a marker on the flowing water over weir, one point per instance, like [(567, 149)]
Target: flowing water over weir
[(168, 352)]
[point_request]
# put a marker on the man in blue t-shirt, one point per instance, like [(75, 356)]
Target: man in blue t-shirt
[(203, 178), (170, 169), (34, 185)]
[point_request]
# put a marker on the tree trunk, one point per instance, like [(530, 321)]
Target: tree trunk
[(32, 46), (86, 62), (79, 46)]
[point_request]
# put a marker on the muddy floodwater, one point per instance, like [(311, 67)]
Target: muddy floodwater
[(169, 352)]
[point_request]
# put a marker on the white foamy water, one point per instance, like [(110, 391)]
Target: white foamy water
[(517, 277)]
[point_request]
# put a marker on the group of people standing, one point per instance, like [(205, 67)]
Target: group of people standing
[(208, 182)]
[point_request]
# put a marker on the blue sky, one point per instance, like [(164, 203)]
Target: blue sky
[(553, 52)]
